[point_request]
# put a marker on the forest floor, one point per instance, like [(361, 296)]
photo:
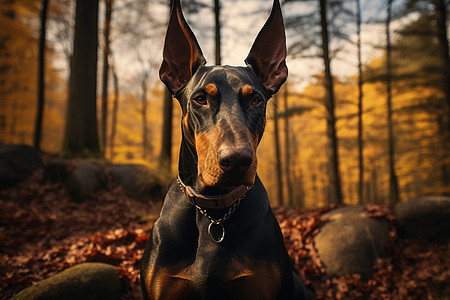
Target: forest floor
[(42, 232)]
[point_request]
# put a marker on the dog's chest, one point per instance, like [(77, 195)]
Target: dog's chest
[(215, 279)]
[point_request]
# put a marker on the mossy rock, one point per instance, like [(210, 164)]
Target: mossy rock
[(85, 180), (140, 181), (17, 163), (350, 242), (86, 281), (57, 170), (425, 217)]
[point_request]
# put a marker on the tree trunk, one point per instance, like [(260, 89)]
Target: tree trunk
[(165, 161), (114, 111), (287, 151), (41, 78), (360, 106), (81, 136), (145, 132), (277, 151), (298, 187), (106, 51), (335, 180), (441, 19), (393, 184), (440, 11), (217, 38)]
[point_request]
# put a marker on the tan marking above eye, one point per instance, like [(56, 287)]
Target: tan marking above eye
[(211, 89), (246, 90)]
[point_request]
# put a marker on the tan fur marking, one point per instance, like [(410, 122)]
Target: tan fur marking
[(248, 279), (254, 279), (247, 90), (208, 143), (167, 283), (208, 166), (186, 125), (211, 89)]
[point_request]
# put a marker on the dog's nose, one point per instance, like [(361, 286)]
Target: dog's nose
[(234, 159)]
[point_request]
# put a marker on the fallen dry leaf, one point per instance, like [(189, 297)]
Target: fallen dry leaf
[(42, 233)]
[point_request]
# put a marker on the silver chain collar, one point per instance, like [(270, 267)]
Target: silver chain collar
[(231, 210), (219, 221)]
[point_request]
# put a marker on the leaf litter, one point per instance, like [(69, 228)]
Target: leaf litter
[(42, 233)]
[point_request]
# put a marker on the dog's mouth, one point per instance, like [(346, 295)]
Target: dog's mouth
[(214, 190), (225, 184)]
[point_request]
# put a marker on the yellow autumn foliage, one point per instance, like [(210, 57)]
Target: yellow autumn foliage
[(420, 154)]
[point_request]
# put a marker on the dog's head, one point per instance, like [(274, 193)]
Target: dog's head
[(224, 107)]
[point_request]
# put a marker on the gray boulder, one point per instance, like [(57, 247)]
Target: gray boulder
[(140, 181), (87, 281), (85, 180), (425, 217), (350, 242), (17, 163), (57, 170)]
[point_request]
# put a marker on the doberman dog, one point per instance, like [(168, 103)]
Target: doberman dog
[(216, 237)]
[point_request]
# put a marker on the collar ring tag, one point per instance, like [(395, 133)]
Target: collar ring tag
[(217, 233)]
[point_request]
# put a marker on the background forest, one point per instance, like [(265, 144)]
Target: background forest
[(363, 117)]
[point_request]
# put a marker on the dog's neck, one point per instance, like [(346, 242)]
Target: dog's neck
[(187, 165)]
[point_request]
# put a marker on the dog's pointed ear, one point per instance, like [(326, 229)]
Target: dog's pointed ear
[(267, 57), (182, 55)]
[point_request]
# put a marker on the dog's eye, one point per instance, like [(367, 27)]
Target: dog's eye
[(256, 100), (200, 99)]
